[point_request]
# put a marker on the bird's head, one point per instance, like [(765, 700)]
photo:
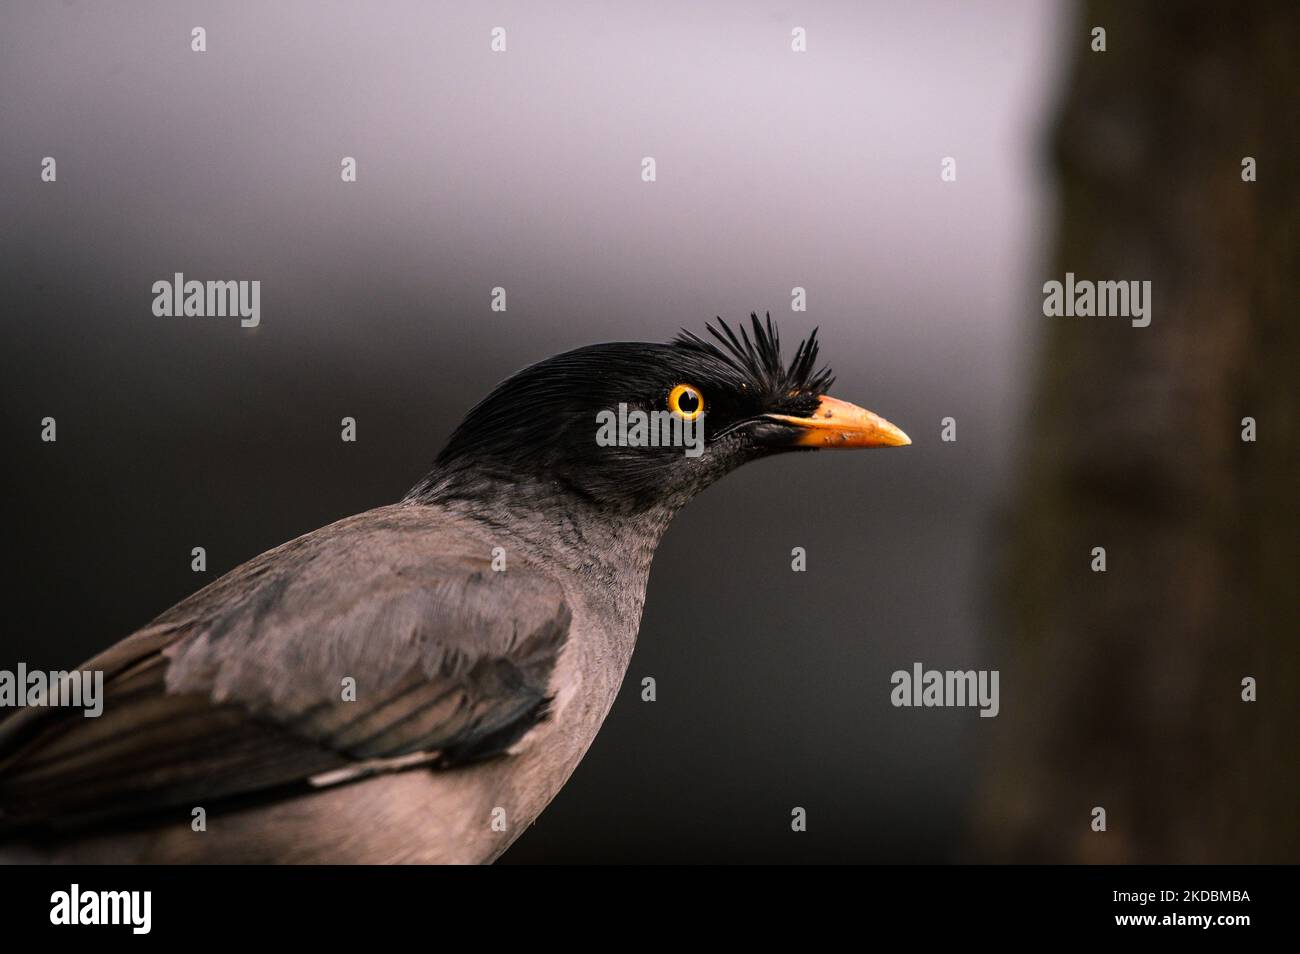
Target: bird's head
[(633, 426)]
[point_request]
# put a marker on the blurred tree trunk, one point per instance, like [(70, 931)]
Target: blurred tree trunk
[(1123, 689)]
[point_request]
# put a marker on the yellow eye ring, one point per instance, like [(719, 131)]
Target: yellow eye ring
[(686, 402)]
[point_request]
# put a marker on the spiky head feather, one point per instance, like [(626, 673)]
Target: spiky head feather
[(759, 358)]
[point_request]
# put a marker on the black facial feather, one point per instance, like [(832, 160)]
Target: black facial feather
[(539, 426)]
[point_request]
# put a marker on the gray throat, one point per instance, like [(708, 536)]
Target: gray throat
[(562, 533)]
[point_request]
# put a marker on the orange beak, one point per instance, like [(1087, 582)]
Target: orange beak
[(838, 423)]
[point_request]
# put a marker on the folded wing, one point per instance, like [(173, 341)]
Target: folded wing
[(383, 640)]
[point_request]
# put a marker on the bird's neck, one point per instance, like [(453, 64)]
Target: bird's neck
[(555, 525)]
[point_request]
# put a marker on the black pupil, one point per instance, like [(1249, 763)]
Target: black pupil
[(688, 402)]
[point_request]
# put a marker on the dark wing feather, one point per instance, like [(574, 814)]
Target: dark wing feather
[(240, 688)]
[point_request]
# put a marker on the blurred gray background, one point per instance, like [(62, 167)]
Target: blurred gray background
[(522, 170)]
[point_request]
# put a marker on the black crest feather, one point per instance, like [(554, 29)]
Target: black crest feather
[(759, 358)]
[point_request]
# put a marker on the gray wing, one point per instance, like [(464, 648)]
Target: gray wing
[(386, 636)]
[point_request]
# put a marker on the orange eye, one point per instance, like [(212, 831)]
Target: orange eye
[(686, 402)]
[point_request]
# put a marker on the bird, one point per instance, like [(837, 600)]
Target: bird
[(414, 684)]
